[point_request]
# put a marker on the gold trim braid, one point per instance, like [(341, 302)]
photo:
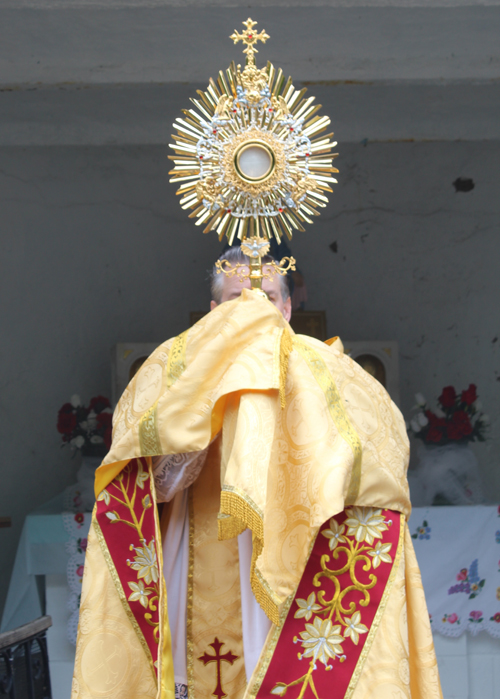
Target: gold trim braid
[(119, 589), (229, 527), (263, 593), (286, 346), (165, 642), (379, 613), (149, 437), (237, 504), (189, 615), (177, 359), (337, 411), (244, 513)]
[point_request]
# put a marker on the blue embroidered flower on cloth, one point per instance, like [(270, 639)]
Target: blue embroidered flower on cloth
[(422, 532)]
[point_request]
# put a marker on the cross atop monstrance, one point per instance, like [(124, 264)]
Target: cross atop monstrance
[(249, 37), (252, 160)]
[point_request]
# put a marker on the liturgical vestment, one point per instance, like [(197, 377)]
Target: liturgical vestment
[(282, 468)]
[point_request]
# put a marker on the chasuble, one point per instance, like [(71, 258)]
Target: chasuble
[(282, 466)]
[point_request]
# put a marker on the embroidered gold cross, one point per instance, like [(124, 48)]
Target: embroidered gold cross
[(250, 38), (228, 657)]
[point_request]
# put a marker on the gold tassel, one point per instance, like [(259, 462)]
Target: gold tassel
[(286, 346)]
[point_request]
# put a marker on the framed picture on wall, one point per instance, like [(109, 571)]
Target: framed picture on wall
[(380, 359), (126, 360)]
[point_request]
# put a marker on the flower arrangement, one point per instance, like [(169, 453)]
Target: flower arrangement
[(458, 418), (86, 428)]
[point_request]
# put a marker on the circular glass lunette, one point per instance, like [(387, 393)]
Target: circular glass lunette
[(254, 161)]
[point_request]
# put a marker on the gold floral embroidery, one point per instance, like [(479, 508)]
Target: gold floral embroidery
[(145, 561), (334, 534), (274, 636), (354, 627), (139, 593), (378, 616), (118, 586), (321, 640), (307, 607), (365, 524), (381, 553), (104, 495), (337, 620)]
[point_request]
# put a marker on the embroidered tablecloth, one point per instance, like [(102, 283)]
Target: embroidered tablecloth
[(53, 541), (458, 550)]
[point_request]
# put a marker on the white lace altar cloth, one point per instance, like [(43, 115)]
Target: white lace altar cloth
[(458, 550), (76, 524)]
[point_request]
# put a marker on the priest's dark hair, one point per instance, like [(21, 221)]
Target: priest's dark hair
[(234, 255)]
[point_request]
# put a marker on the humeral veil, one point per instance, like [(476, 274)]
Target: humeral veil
[(306, 450)]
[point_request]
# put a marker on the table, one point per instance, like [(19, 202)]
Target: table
[(458, 550), (469, 663), (45, 581)]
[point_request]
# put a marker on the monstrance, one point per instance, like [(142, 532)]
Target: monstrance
[(252, 159)]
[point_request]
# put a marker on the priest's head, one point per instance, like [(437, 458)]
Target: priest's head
[(226, 288)]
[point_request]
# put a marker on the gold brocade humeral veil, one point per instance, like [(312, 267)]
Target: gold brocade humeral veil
[(339, 440), (304, 432)]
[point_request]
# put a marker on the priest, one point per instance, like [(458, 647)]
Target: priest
[(283, 542), (281, 464)]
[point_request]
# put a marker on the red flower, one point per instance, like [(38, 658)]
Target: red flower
[(431, 417), (108, 437), (454, 432), (462, 421), (469, 396), (66, 408), (79, 571), (434, 435), (448, 397), (83, 544), (99, 403), (104, 420), (79, 518), (434, 420), (66, 423), (462, 575), (496, 617), (452, 618)]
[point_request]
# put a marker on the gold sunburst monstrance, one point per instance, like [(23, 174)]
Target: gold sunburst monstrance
[(252, 158)]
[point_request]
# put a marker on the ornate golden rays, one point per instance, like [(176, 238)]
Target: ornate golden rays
[(252, 159)]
